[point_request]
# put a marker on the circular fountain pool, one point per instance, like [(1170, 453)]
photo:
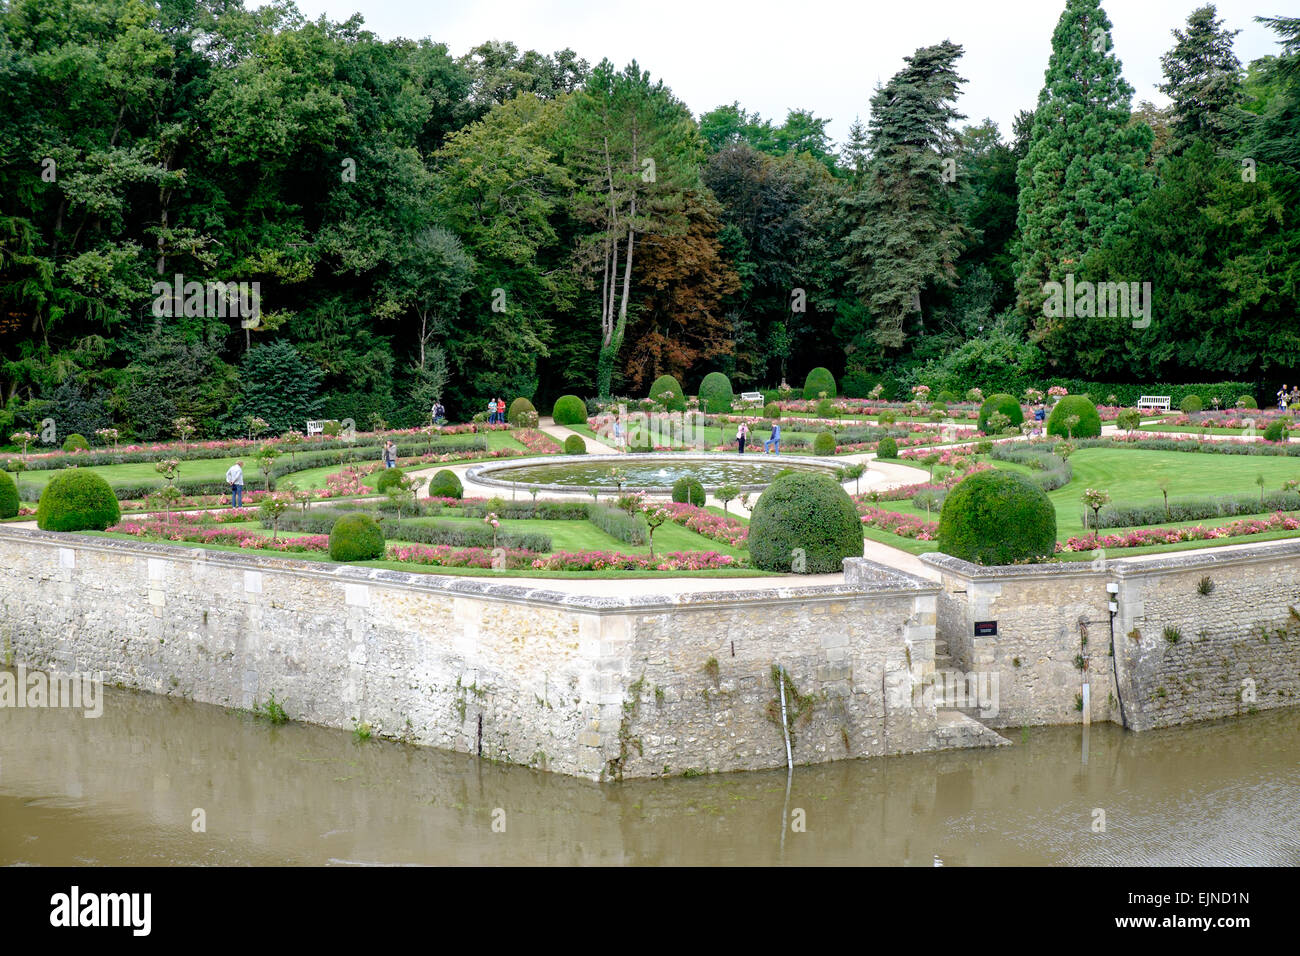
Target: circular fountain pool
[(651, 473)]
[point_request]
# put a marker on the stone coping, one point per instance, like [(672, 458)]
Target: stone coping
[(481, 473), (870, 579), (1118, 567)]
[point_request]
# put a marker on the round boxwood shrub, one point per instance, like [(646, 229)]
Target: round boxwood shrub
[(1089, 421), (947, 398), (569, 410), (1247, 401), (75, 442), (674, 402), (574, 445), (522, 414), (445, 484), (1007, 405), (388, 478), (887, 448), (772, 410), (996, 517), (819, 380), (1191, 404), (716, 395), (825, 408), (806, 523), (688, 491), (77, 500), (1276, 430), (356, 537), (824, 444), (8, 496)]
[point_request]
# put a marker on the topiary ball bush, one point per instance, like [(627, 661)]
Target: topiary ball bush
[(356, 537), (574, 445), (674, 402), (819, 380), (805, 523), (1008, 405), (1089, 421), (445, 484), (772, 410), (522, 414), (75, 442), (996, 517), (1247, 401), (388, 478), (1275, 431), (1191, 404), (569, 410), (824, 444), (887, 448), (77, 500), (8, 496), (688, 491), (716, 395)]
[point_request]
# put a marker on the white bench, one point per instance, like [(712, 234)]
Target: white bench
[(1153, 403), (752, 398), (315, 428)]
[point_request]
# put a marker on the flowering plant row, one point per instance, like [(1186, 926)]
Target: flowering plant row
[(1141, 537), (895, 522)]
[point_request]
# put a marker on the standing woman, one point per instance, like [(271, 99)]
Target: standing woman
[(741, 434)]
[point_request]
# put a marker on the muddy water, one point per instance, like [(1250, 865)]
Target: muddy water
[(124, 789)]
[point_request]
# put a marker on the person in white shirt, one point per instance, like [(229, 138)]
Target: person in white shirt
[(235, 479)]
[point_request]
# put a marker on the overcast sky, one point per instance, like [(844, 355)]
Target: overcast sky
[(822, 55)]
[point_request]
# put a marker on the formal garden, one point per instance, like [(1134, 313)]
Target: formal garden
[(655, 486)]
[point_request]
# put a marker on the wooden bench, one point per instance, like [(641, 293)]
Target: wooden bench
[(315, 428), (752, 398), (1153, 403)]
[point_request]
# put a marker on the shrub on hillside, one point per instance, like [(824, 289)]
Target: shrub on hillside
[(887, 448), (356, 537), (569, 410), (445, 484), (716, 395), (667, 391), (8, 496), (1089, 425), (575, 445), (1002, 404), (75, 442), (77, 500), (996, 517), (806, 523), (688, 491), (824, 444), (819, 380), (522, 414)]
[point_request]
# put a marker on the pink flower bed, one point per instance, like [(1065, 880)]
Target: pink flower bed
[(186, 528), (613, 560), (1278, 521), (537, 442), (895, 522), (446, 556), (709, 525)]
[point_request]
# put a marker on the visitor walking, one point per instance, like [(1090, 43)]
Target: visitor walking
[(773, 440), (618, 434), (235, 479), (501, 411), (492, 411), (437, 414), (390, 454), (1040, 416), (741, 434), (1283, 394)]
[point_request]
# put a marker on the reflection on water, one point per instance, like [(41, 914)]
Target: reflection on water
[(123, 789), (632, 474)]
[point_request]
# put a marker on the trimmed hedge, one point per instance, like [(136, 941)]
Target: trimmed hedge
[(445, 484), (676, 402), (1008, 405), (77, 500), (388, 478), (522, 414), (356, 537), (630, 529), (824, 444), (996, 517), (819, 380), (806, 523), (772, 410), (887, 448), (1089, 420), (1276, 430), (8, 496), (321, 521), (569, 410), (575, 445), (716, 394), (75, 442), (688, 491), (1195, 509)]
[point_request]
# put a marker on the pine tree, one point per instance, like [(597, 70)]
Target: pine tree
[(1203, 79), (1083, 173), (903, 234)]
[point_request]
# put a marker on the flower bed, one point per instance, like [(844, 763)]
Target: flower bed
[(447, 556), (187, 528), (1278, 521), (707, 524), (895, 522), (614, 561)]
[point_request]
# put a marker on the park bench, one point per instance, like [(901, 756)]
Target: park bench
[(1153, 403), (752, 398), (315, 428)]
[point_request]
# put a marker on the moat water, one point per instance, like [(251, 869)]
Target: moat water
[(124, 789)]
